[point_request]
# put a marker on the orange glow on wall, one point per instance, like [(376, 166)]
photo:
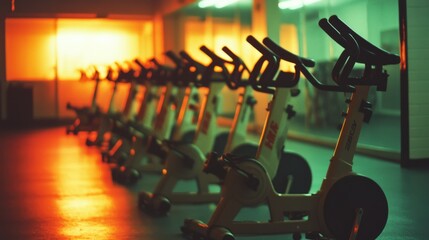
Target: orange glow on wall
[(98, 41), (49, 49), (48, 52), (30, 49)]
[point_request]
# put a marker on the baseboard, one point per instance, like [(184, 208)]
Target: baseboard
[(367, 150), (416, 163), (35, 123)]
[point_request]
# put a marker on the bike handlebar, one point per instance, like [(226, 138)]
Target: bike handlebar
[(301, 65), (192, 70), (218, 61), (286, 55), (267, 81), (210, 74), (357, 50), (174, 58), (373, 54), (235, 79)]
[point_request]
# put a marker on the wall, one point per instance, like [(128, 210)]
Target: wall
[(370, 19), (51, 104), (385, 33), (418, 84), (97, 7), (3, 84), (45, 54)]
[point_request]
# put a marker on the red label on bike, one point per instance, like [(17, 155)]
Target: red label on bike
[(271, 135), (206, 122)]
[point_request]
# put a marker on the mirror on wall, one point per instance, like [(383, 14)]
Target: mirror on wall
[(319, 114)]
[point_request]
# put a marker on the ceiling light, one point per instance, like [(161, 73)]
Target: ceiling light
[(215, 3), (206, 3), (224, 3), (295, 4)]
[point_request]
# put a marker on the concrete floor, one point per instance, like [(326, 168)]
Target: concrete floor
[(54, 187)]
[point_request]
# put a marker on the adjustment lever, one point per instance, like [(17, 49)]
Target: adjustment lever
[(214, 166)]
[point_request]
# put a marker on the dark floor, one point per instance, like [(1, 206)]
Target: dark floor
[(54, 187)]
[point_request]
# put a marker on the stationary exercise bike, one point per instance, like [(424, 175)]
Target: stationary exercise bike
[(87, 118), (347, 206), (121, 76), (124, 130), (115, 151), (185, 161), (296, 178), (147, 152), (293, 174)]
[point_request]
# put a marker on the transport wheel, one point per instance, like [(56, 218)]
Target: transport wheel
[(220, 233), (153, 204), (125, 176), (292, 167), (348, 195), (194, 229), (132, 176)]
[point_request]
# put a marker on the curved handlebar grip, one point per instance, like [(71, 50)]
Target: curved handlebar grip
[(199, 67), (235, 77), (173, 57), (332, 32), (346, 40), (109, 74), (210, 71), (235, 58), (154, 61), (286, 55), (231, 54), (186, 56), (385, 57), (266, 78), (193, 69), (348, 58), (215, 58), (256, 44), (139, 63), (301, 65)]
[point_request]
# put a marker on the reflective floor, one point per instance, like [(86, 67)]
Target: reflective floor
[(54, 187)]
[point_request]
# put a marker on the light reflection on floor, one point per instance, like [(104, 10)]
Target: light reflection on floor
[(54, 187), (81, 202), (57, 188)]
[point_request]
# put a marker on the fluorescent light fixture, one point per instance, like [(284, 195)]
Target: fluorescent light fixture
[(206, 3), (295, 4), (215, 3), (224, 3), (291, 4)]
